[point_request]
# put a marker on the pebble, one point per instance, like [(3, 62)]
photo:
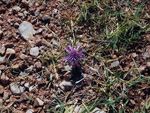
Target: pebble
[(16, 89), (40, 102), (32, 88), (25, 13), (16, 8), (2, 67), (2, 59), (148, 64), (114, 64), (38, 65), (30, 111), (6, 95), (23, 56), (1, 103), (29, 69), (26, 85), (65, 85), (10, 51), (26, 30), (146, 53), (46, 17), (2, 50), (34, 51)]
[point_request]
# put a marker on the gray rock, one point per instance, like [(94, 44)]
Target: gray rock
[(65, 85), (6, 95), (16, 8), (26, 30), (29, 69), (30, 111), (34, 51), (46, 17), (2, 59), (1, 103), (25, 13), (16, 89), (114, 64)]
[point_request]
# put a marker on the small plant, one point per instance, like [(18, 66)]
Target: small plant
[(74, 56)]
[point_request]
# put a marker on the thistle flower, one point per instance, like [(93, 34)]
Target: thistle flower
[(74, 55)]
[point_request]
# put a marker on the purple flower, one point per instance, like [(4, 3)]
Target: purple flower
[(74, 56)]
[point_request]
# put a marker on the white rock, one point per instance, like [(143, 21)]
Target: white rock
[(16, 8), (34, 51), (26, 85), (114, 64), (40, 102), (2, 59), (31, 88), (30, 111), (16, 89), (26, 30), (2, 50), (10, 51)]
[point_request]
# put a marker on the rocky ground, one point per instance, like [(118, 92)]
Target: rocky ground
[(33, 76)]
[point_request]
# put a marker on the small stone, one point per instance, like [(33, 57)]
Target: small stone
[(32, 89), (1, 89), (67, 68), (23, 56), (6, 95), (10, 51), (26, 85), (56, 43), (2, 59), (114, 64), (16, 66), (133, 55), (16, 8), (142, 68), (29, 69), (30, 111), (16, 89), (38, 65), (24, 97), (148, 64), (1, 32), (46, 18), (34, 51), (40, 102), (65, 85), (4, 79), (1, 103), (26, 30), (146, 53), (2, 50), (25, 13)]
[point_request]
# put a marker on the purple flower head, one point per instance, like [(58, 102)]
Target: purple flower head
[(74, 56)]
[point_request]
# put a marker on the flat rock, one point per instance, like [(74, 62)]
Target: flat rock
[(6, 95), (34, 51), (26, 30), (16, 89)]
